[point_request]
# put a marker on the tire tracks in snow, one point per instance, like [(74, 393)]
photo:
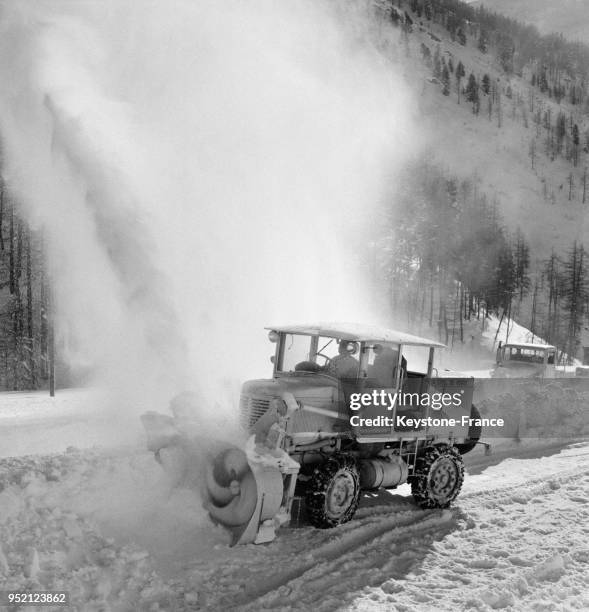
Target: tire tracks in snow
[(351, 558), (352, 550)]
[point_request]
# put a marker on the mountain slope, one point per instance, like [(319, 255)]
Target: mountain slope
[(516, 152), (496, 149), (569, 17)]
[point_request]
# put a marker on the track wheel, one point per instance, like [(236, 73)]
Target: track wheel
[(438, 477), (333, 492)]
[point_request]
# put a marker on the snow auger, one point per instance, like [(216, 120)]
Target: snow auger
[(333, 421), (249, 492)]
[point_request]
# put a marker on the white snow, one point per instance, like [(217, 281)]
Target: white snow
[(104, 524), (34, 423)]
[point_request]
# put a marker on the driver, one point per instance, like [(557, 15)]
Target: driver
[(344, 365)]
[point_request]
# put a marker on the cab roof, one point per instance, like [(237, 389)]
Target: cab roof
[(357, 332), (530, 345)]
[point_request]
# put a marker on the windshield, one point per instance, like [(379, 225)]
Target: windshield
[(302, 353), (296, 349), (526, 355), (347, 359)]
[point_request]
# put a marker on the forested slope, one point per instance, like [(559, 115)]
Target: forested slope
[(493, 215)]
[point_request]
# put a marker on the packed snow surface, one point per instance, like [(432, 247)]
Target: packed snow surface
[(104, 524)]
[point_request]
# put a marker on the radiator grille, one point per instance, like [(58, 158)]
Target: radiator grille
[(251, 409)]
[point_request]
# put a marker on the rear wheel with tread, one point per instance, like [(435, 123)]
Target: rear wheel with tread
[(438, 477), (333, 492)]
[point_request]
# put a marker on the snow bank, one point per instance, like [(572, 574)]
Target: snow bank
[(105, 526), (534, 408), (81, 522)]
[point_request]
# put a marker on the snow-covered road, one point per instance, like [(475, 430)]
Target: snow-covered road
[(104, 524)]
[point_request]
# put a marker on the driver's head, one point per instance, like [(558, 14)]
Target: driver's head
[(348, 347)]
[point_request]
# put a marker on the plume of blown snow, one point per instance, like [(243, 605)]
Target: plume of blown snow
[(199, 170)]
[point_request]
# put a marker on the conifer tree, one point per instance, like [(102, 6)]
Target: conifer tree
[(460, 72), (486, 84), (482, 43), (472, 93), (446, 81), (576, 142), (575, 295)]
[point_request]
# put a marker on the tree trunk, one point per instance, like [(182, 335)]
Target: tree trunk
[(498, 327), (461, 306), (51, 356), (1, 217), (431, 302), (11, 253), (30, 330), (508, 320)]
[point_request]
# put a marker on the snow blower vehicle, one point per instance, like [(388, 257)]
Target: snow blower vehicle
[(349, 408)]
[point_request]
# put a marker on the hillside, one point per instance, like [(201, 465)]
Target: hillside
[(521, 148), (569, 17), (497, 149), (470, 144)]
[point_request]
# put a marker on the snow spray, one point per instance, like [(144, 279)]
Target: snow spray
[(199, 170)]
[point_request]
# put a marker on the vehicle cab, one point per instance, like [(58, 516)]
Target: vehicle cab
[(325, 366), (525, 360)]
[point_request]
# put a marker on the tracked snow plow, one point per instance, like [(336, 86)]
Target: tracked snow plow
[(348, 408)]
